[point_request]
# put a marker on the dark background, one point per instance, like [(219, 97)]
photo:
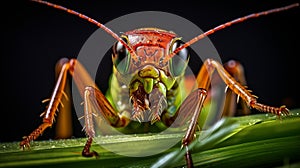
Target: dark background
[(35, 36)]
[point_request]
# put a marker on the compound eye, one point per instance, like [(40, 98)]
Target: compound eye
[(179, 62), (121, 56)]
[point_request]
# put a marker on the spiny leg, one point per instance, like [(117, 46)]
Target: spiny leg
[(51, 109), (63, 125), (89, 126), (203, 80), (93, 99), (96, 104), (188, 112), (193, 104), (236, 70)]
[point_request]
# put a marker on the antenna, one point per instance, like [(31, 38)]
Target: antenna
[(227, 24), (100, 25)]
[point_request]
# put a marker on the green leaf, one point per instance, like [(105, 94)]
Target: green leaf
[(264, 138), (251, 141)]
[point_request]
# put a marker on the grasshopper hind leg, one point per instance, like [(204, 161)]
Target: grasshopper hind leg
[(233, 104)]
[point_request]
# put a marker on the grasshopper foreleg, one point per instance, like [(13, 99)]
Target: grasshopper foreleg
[(94, 101)]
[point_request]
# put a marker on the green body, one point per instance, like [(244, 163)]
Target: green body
[(118, 96)]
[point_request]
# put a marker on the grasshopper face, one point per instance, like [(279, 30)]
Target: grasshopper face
[(148, 76)]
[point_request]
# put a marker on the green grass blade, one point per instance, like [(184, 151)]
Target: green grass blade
[(251, 141), (242, 130)]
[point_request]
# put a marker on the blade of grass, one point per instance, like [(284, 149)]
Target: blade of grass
[(252, 128), (263, 153), (268, 140)]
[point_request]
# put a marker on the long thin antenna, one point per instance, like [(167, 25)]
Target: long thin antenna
[(227, 24), (114, 35)]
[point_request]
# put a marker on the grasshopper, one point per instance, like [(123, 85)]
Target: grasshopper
[(148, 70)]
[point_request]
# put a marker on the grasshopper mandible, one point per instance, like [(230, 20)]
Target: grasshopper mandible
[(149, 65)]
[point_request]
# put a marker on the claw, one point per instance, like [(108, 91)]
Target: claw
[(283, 110), (90, 154), (24, 145)]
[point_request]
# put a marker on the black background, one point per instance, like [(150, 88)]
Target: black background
[(35, 36)]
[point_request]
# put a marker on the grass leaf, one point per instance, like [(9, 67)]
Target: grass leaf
[(251, 141)]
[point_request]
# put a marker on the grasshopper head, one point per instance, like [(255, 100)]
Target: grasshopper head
[(147, 75)]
